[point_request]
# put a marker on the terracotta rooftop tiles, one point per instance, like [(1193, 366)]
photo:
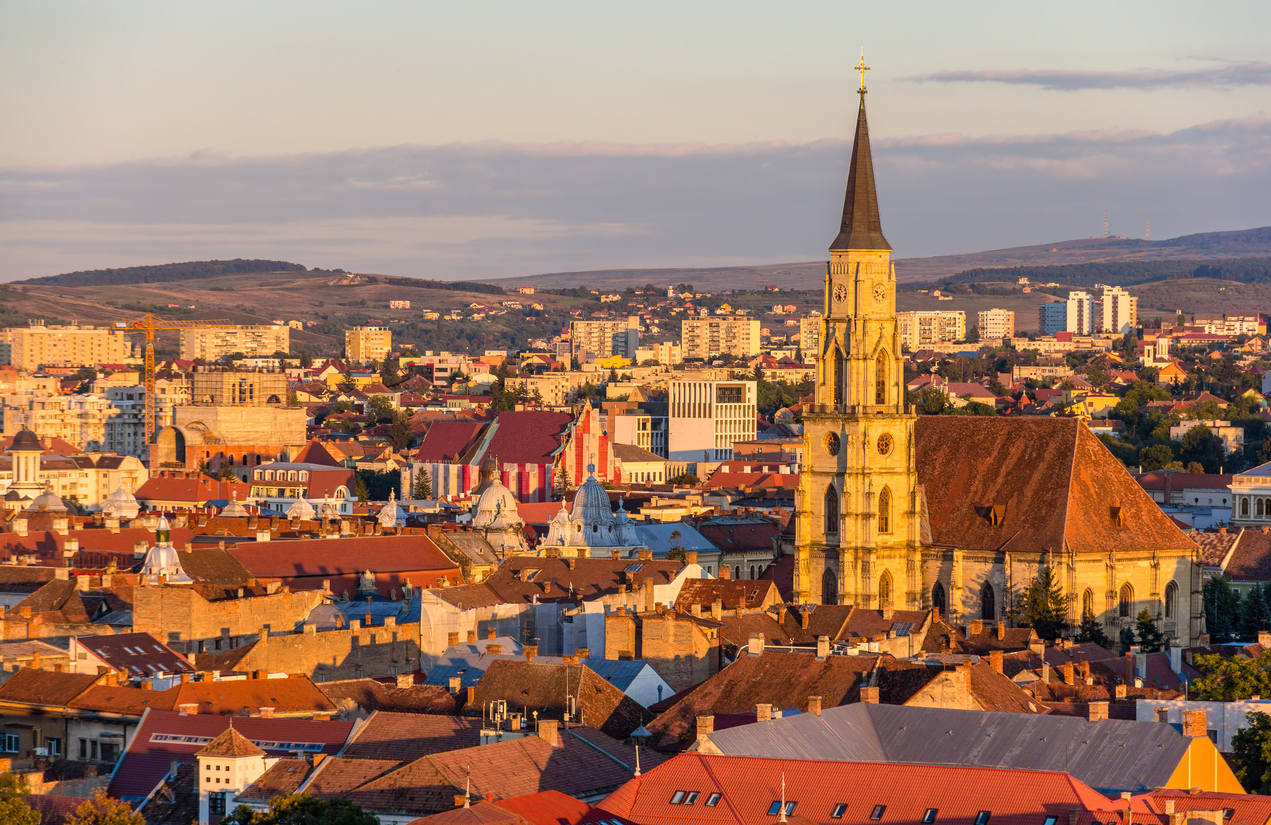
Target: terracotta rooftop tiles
[(544, 687), (282, 778), (231, 744)]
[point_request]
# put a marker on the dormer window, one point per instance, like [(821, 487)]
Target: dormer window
[(1118, 516)]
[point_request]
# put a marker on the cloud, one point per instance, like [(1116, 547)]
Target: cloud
[(491, 209), (1225, 75)]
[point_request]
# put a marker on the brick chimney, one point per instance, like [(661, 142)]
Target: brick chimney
[(690, 557), (1194, 723), (814, 705), (822, 647), (695, 610), (889, 611), (995, 660), (763, 713), (869, 695), (805, 616), (547, 731), (1045, 673), (644, 554), (1097, 711), (405, 680), (452, 638), (1119, 692), (1067, 670), (1001, 630), (755, 645), (582, 653), (494, 650), (266, 713), (1128, 671), (717, 610), (705, 725), (190, 709), (455, 683), (491, 634), (725, 573), (975, 628), (530, 652)]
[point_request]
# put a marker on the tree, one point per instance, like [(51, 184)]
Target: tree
[(1042, 606), (13, 807), (1251, 753), (562, 480), (1150, 638), (378, 408), (1091, 630), (1222, 608), (1155, 457), (1126, 639), (677, 551), (227, 470), (423, 485), (359, 489), (104, 810), (1232, 678), (1201, 445), (399, 431), (303, 809), (306, 359)]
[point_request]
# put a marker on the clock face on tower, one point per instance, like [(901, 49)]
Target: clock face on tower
[(840, 293), (880, 293)]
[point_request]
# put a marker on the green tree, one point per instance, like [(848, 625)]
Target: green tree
[(1155, 457), (378, 408), (1251, 753), (677, 551), (1091, 630), (423, 485), (1254, 612), (1222, 608), (227, 471), (1201, 445), (303, 809), (104, 810), (13, 807), (1042, 606), (1126, 639), (399, 431), (1150, 637), (359, 488), (306, 359), (562, 480), (1231, 678)]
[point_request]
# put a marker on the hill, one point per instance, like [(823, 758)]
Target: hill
[(166, 272)]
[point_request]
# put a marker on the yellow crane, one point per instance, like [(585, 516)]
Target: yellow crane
[(149, 324)]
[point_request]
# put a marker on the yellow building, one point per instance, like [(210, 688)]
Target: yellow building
[(706, 337), (66, 346), (363, 344), (959, 513), (215, 342)]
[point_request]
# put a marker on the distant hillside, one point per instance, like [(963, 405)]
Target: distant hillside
[(1128, 273), (165, 272)]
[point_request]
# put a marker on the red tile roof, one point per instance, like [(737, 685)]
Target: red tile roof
[(45, 687), (447, 441), (230, 743), (315, 453), (526, 437), (191, 490), (138, 654), (329, 558)]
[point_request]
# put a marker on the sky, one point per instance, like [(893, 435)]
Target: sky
[(496, 139)]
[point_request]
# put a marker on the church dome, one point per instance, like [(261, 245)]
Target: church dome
[(496, 508), (591, 504), (301, 509), (391, 513), (47, 501), (26, 441), (328, 511), (234, 509), (121, 504)]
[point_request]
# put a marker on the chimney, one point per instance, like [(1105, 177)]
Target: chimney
[(814, 705), (405, 680), (471, 697), (1074, 816), (494, 650), (1001, 630), (975, 628), (755, 645), (1195, 723), (614, 554), (452, 638), (805, 616), (995, 660), (1037, 646), (869, 695), (725, 572), (530, 652), (1097, 711), (1162, 715), (491, 634), (823, 647), (582, 653), (455, 682), (190, 709), (717, 610), (547, 731), (266, 713), (1128, 672), (763, 713), (695, 610), (1119, 692), (690, 557), (262, 535), (705, 725), (1067, 670), (645, 554), (1264, 638), (146, 684)]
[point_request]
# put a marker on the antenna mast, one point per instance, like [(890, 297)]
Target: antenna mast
[(1147, 233), (1105, 223)]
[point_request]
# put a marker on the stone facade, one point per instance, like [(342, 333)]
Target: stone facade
[(683, 651), (181, 617)]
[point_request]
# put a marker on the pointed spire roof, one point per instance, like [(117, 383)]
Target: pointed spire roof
[(862, 228), (315, 453), (232, 744)]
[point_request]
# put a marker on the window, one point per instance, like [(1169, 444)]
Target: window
[(880, 379), (884, 588), (878, 812), (216, 804), (775, 808), (713, 800), (54, 745), (831, 510), (1244, 507), (677, 797), (10, 743), (839, 810), (988, 604), (691, 798), (982, 818), (1087, 603), (1050, 820), (1125, 606), (930, 816), (938, 599), (884, 510), (1171, 595)]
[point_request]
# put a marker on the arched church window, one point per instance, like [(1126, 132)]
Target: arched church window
[(884, 588), (1087, 603), (1259, 508), (831, 510), (1244, 507), (829, 587), (1125, 605), (938, 599), (988, 603), (880, 379), (838, 373), (1171, 596), (884, 510), (752, 572)]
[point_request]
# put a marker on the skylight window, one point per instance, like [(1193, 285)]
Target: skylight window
[(878, 812), (677, 797), (713, 800), (839, 810), (982, 818), (775, 808), (691, 798), (930, 816), (1050, 820), (633, 568)]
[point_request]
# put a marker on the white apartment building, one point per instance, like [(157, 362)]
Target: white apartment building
[(640, 429), (214, 343), (705, 418), (996, 324), (708, 336), (125, 433), (1119, 311), (602, 339), (1079, 317), (810, 334), (1244, 324), (76, 419), (38, 346), (926, 328)]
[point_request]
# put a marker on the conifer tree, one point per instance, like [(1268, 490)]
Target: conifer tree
[(423, 485)]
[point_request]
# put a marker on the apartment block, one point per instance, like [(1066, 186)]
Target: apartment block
[(1052, 317), (216, 342), (1079, 313), (66, 346), (996, 324), (928, 327), (810, 334), (367, 343), (707, 336), (125, 432), (77, 419), (602, 339), (667, 354), (640, 429), (1119, 311), (705, 418)]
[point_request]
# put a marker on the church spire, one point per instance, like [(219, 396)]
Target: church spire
[(861, 228)]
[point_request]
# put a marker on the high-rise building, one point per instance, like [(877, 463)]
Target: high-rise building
[(810, 334), (705, 418), (214, 343), (708, 336), (1079, 313), (996, 324), (1120, 310), (602, 339), (367, 343), (929, 327), (38, 346), (1052, 317)]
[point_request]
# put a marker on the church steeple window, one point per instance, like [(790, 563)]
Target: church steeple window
[(884, 510), (880, 379), (831, 510)]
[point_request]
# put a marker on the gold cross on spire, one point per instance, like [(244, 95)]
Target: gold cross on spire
[(863, 69)]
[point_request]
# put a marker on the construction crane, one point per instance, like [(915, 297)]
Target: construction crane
[(149, 324)]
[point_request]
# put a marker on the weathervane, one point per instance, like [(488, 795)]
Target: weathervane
[(863, 69)]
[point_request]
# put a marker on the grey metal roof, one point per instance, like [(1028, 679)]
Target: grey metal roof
[(657, 537), (617, 672), (1111, 755), (470, 664)]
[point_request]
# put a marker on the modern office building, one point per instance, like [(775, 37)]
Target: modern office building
[(705, 418)]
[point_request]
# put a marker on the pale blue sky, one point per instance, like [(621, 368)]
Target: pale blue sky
[(144, 132)]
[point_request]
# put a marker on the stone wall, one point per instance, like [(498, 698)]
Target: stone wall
[(680, 650), (173, 613)]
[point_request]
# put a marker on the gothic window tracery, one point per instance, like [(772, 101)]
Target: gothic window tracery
[(884, 510), (831, 510)]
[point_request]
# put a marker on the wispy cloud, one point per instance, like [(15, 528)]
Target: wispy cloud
[(1226, 74)]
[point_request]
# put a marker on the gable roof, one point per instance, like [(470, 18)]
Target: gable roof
[(315, 453), (230, 743), (45, 687), (340, 556), (1085, 501), (545, 686), (525, 437), (446, 441), (138, 654)]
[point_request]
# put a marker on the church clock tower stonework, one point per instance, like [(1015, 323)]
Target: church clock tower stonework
[(858, 534)]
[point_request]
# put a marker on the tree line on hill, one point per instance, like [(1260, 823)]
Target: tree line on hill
[(166, 272), (1127, 273)]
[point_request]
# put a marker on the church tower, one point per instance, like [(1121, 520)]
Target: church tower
[(858, 507)]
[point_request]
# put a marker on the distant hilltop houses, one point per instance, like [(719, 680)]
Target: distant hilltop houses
[(642, 556)]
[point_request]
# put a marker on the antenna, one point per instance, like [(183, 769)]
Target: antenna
[(782, 818), (1105, 223), (1147, 233)]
